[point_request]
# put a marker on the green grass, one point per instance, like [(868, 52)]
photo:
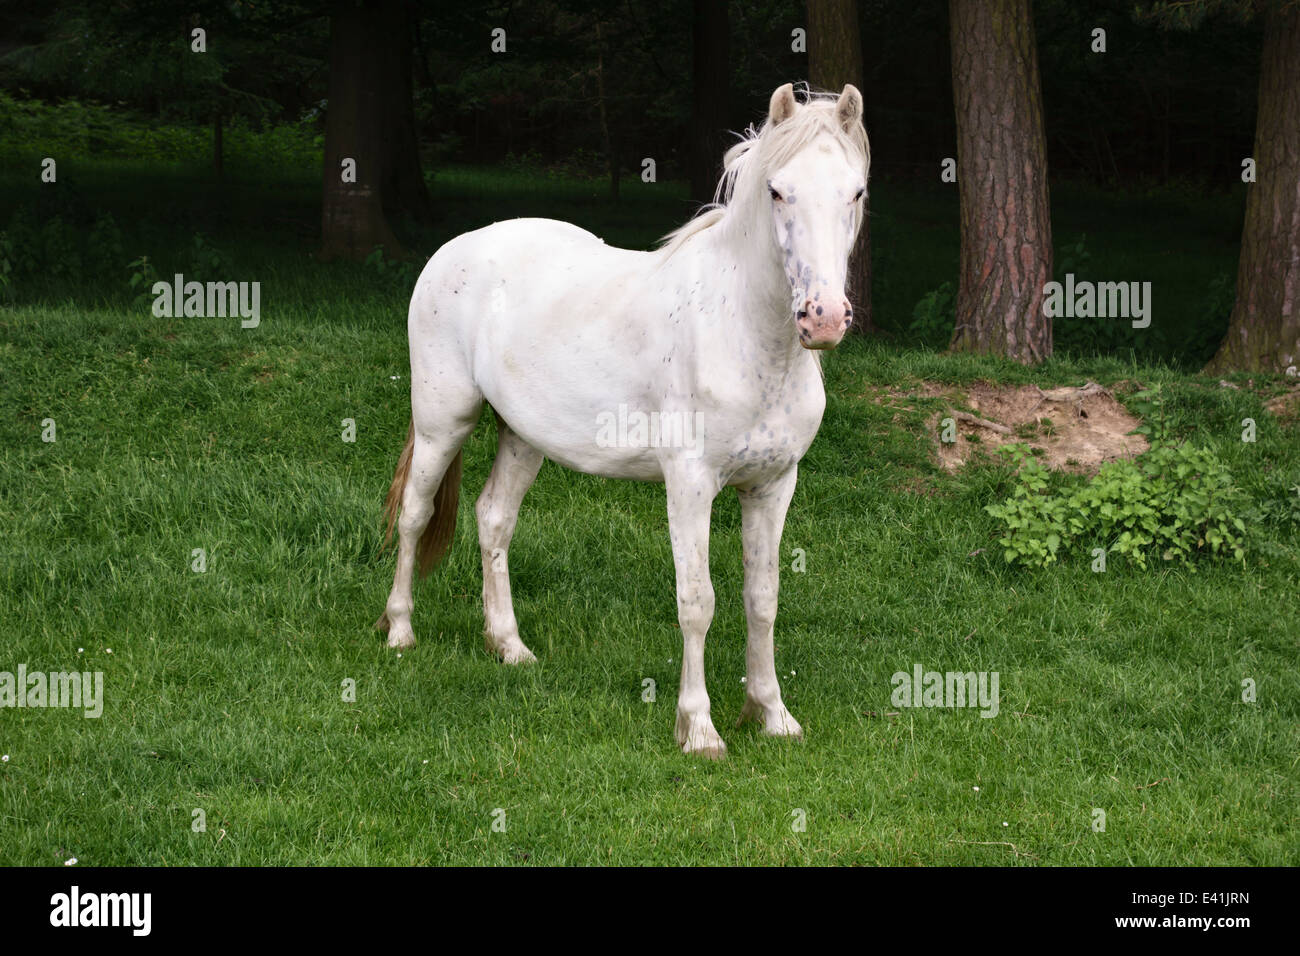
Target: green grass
[(224, 688)]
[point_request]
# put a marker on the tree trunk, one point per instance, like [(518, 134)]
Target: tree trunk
[(834, 59), (711, 76), (402, 189), (1006, 229), (352, 216), (1264, 332)]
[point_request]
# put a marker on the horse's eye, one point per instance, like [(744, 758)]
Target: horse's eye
[(776, 196)]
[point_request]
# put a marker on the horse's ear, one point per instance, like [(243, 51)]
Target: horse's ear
[(782, 106), (848, 110)]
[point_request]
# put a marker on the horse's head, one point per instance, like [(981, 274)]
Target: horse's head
[(816, 184)]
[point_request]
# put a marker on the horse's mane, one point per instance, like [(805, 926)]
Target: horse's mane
[(749, 163)]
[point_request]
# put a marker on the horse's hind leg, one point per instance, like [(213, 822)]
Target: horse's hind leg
[(432, 454), (513, 473)]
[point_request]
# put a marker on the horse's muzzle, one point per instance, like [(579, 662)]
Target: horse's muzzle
[(822, 322)]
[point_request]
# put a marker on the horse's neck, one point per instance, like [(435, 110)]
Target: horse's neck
[(759, 293)]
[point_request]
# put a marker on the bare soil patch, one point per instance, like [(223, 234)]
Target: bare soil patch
[(1074, 429), (1285, 406)]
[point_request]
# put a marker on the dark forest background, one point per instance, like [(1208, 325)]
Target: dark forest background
[(1160, 106), (461, 114)]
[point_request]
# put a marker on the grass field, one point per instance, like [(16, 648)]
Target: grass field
[(224, 689)]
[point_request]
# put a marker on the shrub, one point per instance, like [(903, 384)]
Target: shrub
[(1176, 502), (934, 316)]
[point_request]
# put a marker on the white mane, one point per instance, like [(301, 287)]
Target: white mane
[(749, 163)]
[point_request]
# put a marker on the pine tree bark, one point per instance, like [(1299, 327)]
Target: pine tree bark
[(1006, 229), (834, 59), (352, 214), (710, 96), (1264, 331)]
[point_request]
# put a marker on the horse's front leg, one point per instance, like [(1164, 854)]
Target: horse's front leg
[(690, 505), (762, 509)]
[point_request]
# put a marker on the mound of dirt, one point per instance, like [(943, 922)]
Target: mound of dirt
[(1285, 406), (1076, 429)]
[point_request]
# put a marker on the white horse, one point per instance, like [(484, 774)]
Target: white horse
[(694, 365)]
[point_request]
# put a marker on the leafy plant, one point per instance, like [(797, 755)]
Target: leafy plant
[(1150, 406), (400, 272), (143, 276), (934, 316), (1175, 502)]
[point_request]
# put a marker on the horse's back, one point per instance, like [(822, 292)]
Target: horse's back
[(514, 247), (519, 272)]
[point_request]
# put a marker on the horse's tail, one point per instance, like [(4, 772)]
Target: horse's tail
[(438, 533)]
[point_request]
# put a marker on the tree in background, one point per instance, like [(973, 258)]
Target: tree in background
[(835, 59), (1006, 229), (1264, 330), (710, 95), (402, 187), (371, 164)]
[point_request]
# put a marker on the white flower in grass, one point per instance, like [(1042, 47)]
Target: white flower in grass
[(81, 650), (976, 789), (108, 650), (742, 680), (4, 759), (1005, 824), (72, 862)]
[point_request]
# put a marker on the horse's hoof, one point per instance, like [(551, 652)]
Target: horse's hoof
[(783, 726), (777, 721), (513, 652), (400, 640), (698, 738), (709, 751)]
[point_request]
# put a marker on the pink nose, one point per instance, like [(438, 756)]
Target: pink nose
[(823, 321)]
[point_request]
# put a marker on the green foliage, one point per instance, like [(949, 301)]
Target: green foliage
[(934, 316), (399, 272), (82, 129), (59, 250), (104, 246), (1177, 502), (1149, 404), (1276, 512), (1073, 257), (206, 262), (143, 276)]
